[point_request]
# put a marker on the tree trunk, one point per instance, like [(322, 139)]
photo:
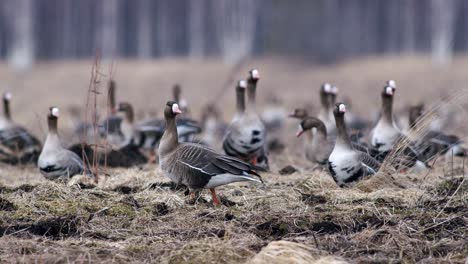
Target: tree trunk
[(443, 13), (20, 20)]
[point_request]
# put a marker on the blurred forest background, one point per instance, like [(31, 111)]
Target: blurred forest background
[(321, 30)]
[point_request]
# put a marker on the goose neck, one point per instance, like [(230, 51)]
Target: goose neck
[(342, 133)]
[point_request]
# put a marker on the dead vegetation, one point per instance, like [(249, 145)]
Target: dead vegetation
[(136, 215)]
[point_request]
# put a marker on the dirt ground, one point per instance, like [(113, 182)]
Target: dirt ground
[(137, 215)]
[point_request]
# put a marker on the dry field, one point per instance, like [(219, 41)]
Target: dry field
[(136, 215)]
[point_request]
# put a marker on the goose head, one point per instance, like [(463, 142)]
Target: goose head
[(254, 75), (388, 91), (299, 113), (172, 110), (340, 109), (308, 124), (391, 83)]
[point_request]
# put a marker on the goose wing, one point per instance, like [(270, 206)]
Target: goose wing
[(371, 164), (200, 164), (66, 163)]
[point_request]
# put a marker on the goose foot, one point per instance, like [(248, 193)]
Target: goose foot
[(214, 197), (152, 158), (253, 161)]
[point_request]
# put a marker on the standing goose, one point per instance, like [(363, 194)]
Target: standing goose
[(17, 145), (345, 163), (56, 161), (195, 165), (386, 135)]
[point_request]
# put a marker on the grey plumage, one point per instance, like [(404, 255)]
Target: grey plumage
[(17, 145), (195, 165), (55, 161), (345, 163)]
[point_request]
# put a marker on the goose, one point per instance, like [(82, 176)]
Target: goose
[(345, 163), (433, 143), (55, 161), (243, 138), (197, 166), (318, 146), (386, 135), (326, 111), (17, 145)]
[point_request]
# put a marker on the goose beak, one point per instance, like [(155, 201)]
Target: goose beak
[(299, 132), (176, 109)]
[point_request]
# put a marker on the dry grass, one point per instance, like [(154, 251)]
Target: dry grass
[(135, 215)]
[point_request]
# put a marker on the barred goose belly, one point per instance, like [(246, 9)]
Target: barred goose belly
[(345, 163), (17, 145), (55, 161), (195, 165)]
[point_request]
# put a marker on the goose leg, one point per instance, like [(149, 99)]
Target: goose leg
[(214, 197), (253, 161), (152, 158)]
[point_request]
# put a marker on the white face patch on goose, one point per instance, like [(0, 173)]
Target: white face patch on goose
[(300, 130), (342, 108), (389, 90), (55, 111), (176, 109), (7, 96), (327, 87), (242, 84), (391, 83), (334, 90), (255, 74)]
